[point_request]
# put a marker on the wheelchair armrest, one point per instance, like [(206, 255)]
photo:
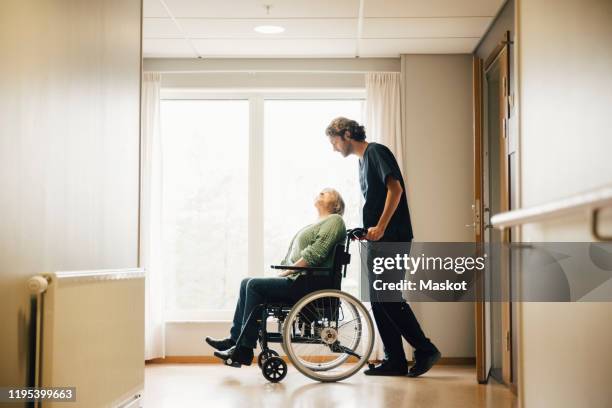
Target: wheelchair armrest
[(302, 268)]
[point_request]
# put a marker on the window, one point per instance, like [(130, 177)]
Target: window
[(204, 201), (298, 163), (227, 165)]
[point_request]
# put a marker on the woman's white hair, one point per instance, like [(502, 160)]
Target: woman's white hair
[(337, 206)]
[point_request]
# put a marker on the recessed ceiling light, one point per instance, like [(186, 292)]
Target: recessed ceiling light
[(269, 29)]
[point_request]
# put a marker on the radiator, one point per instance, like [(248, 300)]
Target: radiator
[(90, 335)]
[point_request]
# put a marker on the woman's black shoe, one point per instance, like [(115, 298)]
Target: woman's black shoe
[(236, 356), (222, 344)]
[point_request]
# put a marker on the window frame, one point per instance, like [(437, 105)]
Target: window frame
[(255, 227)]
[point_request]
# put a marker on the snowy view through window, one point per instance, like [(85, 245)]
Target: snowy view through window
[(205, 163)]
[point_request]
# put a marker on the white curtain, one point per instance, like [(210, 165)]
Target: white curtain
[(151, 217), (383, 123), (383, 111)]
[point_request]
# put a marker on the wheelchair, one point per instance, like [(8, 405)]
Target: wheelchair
[(327, 335)]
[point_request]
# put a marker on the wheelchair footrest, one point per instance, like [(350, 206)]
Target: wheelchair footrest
[(231, 363)]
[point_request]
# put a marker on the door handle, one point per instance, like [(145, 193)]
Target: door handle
[(473, 225)]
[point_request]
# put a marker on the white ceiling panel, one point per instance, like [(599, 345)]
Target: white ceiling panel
[(320, 28), (167, 48), (275, 48), (431, 8), (424, 27), (153, 8), (395, 47), (160, 28), (314, 28), (255, 8), (295, 28)]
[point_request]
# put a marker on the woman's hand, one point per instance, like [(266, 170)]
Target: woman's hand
[(284, 273), (300, 263)]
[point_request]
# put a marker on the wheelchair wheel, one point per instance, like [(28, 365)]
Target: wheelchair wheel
[(340, 358), (328, 335), (264, 355), (274, 369)]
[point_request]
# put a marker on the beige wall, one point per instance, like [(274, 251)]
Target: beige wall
[(69, 149), (437, 128), (268, 73), (565, 73), (261, 80)]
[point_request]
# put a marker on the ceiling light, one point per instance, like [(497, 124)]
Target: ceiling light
[(269, 29)]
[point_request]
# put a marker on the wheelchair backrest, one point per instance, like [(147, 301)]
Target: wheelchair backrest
[(340, 262)]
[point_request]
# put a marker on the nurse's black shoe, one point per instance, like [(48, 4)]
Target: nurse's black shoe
[(220, 344), (422, 364), (387, 368), (236, 356)]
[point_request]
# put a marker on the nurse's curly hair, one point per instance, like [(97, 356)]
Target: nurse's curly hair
[(340, 125)]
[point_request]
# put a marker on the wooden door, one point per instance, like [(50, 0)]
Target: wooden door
[(504, 178)]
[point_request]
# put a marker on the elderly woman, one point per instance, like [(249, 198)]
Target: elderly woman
[(312, 246)]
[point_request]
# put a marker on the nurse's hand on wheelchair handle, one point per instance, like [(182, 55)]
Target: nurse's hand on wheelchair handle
[(375, 233), (357, 234)]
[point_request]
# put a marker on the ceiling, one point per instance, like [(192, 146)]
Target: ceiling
[(314, 28)]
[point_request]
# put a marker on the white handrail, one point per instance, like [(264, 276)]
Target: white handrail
[(590, 201), (101, 274)]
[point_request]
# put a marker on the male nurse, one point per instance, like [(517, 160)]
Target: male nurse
[(387, 219)]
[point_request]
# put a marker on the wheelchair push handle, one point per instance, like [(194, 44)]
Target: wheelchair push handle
[(357, 233)]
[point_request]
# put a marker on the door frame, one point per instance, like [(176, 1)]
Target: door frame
[(482, 374), (501, 53)]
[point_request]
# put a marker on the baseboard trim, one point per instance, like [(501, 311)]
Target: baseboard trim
[(453, 361)]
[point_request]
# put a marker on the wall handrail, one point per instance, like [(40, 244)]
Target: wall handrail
[(592, 202), (101, 274), (39, 283)]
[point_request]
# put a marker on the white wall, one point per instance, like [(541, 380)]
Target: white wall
[(69, 149), (565, 74), (437, 126)]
